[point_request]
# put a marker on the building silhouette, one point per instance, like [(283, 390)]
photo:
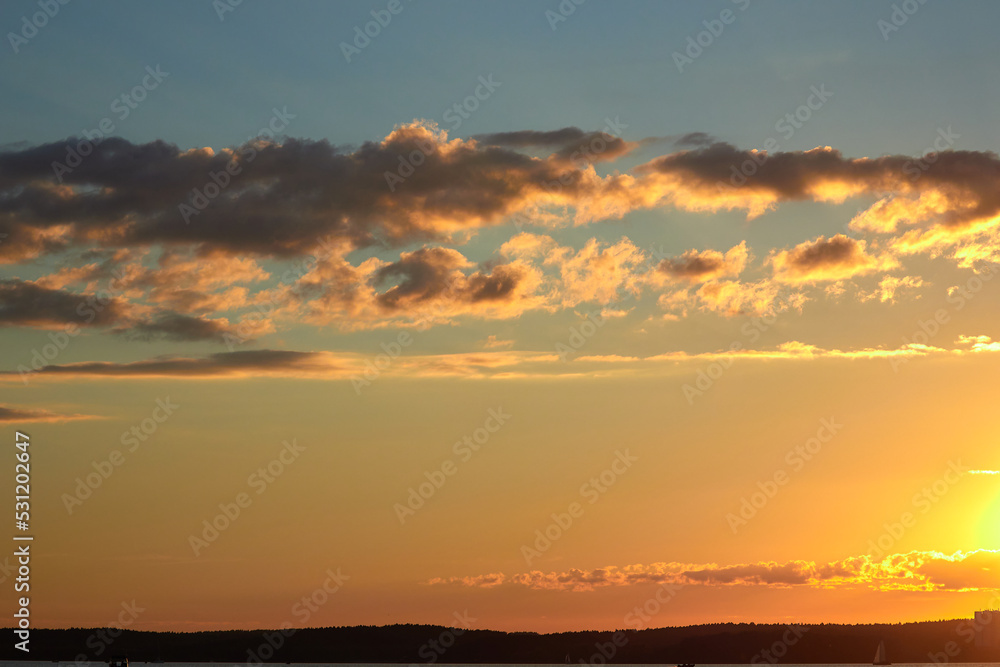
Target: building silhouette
[(987, 626)]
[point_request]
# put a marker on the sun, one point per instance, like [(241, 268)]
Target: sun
[(988, 529)]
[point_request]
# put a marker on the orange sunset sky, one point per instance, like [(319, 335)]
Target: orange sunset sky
[(626, 316)]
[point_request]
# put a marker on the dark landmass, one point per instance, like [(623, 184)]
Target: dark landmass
[(935, 641)]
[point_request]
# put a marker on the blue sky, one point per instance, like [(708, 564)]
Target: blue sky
[(605, 60)]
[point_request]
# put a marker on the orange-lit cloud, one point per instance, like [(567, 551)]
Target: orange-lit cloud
[(913, 571), (595, 274), (199, 278), (418, 184), (696, 266), (31, 415), (890, 286), (837, 258), (432, 285)]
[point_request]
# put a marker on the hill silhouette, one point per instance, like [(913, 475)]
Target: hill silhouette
[(739, 643)]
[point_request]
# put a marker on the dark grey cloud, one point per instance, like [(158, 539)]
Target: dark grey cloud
[(178, 327), (220, 364), (24, 303), (283, 200)]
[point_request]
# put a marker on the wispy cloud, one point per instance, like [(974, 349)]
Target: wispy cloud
[(496, 363), (33, 415)]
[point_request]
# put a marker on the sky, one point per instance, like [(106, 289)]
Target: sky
[(551, 315)]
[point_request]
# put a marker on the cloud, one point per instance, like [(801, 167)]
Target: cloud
[(24, 303), (431, 285), (495, 364), (596, 274), (29, 415), (282, 199), (696, 266), (732, 298), (197, 279), (494, 343), (529, 138), (177, 327), (890, 286), (306, 365), (190, 283), (570, 144), (29, 304), (837, 258), (417, 185), (249, 363), (696, 139), (923, 571), (20, 241)]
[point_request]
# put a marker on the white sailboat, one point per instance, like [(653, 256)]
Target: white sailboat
[(880, 658)]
